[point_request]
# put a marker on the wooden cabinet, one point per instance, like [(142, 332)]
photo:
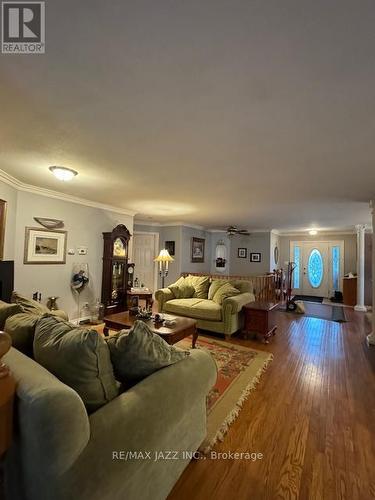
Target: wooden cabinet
[(115, 269), (260, 319), (349, 291)]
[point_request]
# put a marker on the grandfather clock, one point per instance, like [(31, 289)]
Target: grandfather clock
[(115, 265)]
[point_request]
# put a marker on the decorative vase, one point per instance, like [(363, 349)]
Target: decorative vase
[(51, 304)]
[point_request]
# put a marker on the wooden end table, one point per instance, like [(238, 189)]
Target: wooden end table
[(147, 296), (260, 319), (183, 328)]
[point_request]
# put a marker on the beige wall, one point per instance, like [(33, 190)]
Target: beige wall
[(350, 247), (9, 194), (187, 233), (84, 226), (256, 242)]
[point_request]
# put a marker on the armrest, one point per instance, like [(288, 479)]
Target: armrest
[(162, 296), (232, 305), (135, 419)]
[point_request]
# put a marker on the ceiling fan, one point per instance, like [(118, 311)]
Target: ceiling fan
[(233, 230)]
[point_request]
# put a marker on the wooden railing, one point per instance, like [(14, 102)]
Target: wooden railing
[(265, 287)]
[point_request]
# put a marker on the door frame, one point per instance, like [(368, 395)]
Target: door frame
[(156, 252), (331, 243)]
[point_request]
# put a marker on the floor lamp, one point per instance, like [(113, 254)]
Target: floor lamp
[(164, 259)]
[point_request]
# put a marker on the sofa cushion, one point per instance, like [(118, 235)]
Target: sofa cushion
[(182, 291), (214, 287), (243, 286), (7, 310), (32, 306), (225, 291), (138, 352), (78, 357), (195, 308), (21, 328), (200, 284)]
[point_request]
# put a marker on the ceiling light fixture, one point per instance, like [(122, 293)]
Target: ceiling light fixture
[(313, 232), (63, 173)]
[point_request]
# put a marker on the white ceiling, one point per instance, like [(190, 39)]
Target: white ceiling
[(212, 112)]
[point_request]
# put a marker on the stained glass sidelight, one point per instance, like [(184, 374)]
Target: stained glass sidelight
[(315, 268), (336, 268), (296, 258)]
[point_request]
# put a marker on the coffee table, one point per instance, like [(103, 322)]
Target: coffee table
[(183, 328)]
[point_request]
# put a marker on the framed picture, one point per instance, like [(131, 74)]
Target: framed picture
[(242, 253), (255, 257), (134, 301), (170, 246), (3, 207), (197, 250), (44, 247)]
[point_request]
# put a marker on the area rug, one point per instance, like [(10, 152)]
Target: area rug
[(323, 311), (239, 371), (308, 298)]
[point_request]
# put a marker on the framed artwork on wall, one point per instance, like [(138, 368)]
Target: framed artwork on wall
[(44, 247), (242, 253), (255, 257), (197, 249), (170, 246), (3, 207)]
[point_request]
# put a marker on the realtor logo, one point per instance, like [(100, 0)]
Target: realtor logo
[(23, 28)]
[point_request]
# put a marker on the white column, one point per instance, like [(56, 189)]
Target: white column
[(360, 268), (371, 337)]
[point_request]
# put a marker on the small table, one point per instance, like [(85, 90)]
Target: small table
[(184, 327), (260, 318), (147, 296)]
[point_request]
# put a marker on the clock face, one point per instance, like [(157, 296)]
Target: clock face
[(131, 270)]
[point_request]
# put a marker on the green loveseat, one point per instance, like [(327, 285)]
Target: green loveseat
[(225, 318)]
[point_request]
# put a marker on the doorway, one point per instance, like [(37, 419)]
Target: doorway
[(145, 249), (319, 267)]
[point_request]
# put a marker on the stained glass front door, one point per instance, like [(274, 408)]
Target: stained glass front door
[(315, 263)]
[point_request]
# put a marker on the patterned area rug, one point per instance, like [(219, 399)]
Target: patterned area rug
[(239, 370)]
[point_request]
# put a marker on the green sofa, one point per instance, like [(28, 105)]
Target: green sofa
[(60, 452), (226, 318)]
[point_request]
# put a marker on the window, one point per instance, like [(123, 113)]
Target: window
[(336, 267), (315, 268), (296, 259)]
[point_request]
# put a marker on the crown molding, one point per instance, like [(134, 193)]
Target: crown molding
[(169, 224), (146, 223), (322, 233), (29, 188)]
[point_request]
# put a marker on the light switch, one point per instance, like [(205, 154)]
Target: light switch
[(82, 250), (71, 251)]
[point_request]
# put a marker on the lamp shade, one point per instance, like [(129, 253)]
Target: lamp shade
[(164, 256)]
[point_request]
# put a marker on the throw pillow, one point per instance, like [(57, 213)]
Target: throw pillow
[(214, 287), (183, 291), (200, 284), (7, 310), (32, 306), (243, 286), (21, 328), (224, 292), (138, 352), (78, 357)]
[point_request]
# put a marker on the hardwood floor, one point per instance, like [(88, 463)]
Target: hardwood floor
[(312, 417)]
